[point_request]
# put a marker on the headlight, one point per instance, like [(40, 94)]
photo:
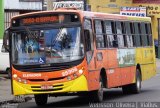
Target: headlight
[(80, 71), (15, 76)]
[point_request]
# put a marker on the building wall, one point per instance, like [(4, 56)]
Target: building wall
[(20, 5), (1, 19), (8, 15), (108, 6), (113, 6), (16, 7)]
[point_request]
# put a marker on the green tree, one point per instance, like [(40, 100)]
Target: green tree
[(1, 18)]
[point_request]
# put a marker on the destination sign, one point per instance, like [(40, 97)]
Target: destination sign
[(40, 20), (45, 19)]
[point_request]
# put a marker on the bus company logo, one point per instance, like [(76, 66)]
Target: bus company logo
[(32, 75), (46, 78)]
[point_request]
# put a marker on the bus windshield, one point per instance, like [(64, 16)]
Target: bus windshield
[(47, 46)]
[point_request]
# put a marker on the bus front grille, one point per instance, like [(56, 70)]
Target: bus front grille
[(47, 90)]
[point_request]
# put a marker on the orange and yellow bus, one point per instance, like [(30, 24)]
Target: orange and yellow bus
[(67, 51)]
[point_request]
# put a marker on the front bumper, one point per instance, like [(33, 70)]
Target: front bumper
[(77, 85)]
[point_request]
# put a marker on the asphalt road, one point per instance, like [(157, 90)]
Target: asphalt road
[(150, 93)]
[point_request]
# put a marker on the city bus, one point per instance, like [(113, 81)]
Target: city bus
[(74, 52)]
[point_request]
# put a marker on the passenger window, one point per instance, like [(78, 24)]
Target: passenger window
[(120, 37), (140, 33), (128, 34), (149, 33), (133, 33), (124, 34), (115, 42), (137, 34), (109, 33), (144, 35), (99, 34)]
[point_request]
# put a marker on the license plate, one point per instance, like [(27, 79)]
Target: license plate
[(46, 87)]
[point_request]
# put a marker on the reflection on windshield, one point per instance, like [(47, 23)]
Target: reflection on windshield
[(47, 46)]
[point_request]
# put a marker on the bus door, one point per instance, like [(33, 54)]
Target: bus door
[(88, 36)]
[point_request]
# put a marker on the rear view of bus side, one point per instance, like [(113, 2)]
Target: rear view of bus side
[(122, 51)]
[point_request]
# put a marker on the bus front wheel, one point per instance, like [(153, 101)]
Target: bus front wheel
[(97, 96), (41, 99)]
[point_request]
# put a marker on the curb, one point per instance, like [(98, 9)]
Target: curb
[(2, 78), (6, 101), (16, 99)]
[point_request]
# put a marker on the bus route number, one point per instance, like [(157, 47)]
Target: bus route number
[(70, 71)]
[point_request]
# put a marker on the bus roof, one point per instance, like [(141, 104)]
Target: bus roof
[(89, 14), (114, 16)]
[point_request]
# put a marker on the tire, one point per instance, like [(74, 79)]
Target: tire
[(41, 99), (97, 96), (135, 87), (126, 89)]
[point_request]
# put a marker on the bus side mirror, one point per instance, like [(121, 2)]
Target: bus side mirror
[(3, 50), (6, 40)]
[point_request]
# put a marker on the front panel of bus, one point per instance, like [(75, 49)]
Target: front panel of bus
[(47, 54)]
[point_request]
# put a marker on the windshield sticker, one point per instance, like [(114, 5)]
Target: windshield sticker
[(31, 58), (41, 60)]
